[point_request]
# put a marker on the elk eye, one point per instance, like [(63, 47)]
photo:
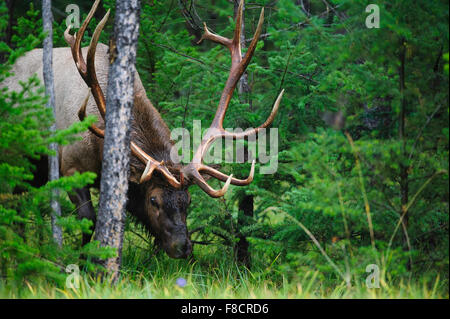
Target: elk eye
[(154, 202)]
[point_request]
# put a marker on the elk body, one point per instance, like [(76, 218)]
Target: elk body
[(158, 191)]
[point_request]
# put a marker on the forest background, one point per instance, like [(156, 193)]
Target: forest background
[(360, 197)]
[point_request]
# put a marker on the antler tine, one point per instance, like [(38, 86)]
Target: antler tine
[(229, 43), (91, 74), (200, 181), (268, 122), (82, 110), (82, 115), (75, 41), (251, 48), (87, 71), (148, 172), (238, 65), (223, 177), (208, 35), (70, 39), (216, 130), (236, 54), (151, 165)]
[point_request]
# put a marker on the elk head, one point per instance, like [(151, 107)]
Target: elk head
[(162, 186)]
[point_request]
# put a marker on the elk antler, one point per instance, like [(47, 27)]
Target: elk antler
[(216, 130), (87, 72)]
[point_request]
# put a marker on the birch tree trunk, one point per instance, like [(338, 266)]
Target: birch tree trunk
[(53, 163), (116, 151)]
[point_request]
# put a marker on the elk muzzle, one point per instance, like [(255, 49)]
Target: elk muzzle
[(177, 244)]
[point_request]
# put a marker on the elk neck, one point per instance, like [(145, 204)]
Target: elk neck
[(149, 131)]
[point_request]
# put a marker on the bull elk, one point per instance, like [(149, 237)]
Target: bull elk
[(158, 192)]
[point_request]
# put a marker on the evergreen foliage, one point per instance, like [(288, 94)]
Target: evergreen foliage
[(27, 251), (363, 140)]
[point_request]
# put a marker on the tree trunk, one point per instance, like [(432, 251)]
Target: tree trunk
[(246, 203), (404, 168), (243, 86), (245, 210), (116, 151), (404, 182), (53, 163)]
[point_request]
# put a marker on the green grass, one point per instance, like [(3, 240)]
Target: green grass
[(218, 284), (213, 288), (213, 275)]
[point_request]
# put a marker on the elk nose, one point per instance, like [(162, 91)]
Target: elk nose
[(182, 248)]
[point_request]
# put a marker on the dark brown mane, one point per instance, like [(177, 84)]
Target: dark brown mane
[(149, 132)]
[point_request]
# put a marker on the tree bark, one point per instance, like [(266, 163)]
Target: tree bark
[(116, 151), (404, 182), (245, 210), (53, 163), (243, 86), (246, 203), (404, 168)]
